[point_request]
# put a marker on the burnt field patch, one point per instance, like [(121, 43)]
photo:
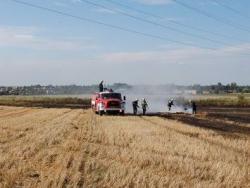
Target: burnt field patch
[(236, 117), (236, 114), (225, 128), (226, 121)]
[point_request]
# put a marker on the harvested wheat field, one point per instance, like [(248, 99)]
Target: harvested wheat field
[(76, 148)]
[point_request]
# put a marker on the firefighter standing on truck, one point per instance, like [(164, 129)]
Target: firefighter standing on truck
[(135, 106), (101, 86), (144, 106)]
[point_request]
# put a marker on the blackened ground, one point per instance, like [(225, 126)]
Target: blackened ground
[(240, 114), (225, 121)]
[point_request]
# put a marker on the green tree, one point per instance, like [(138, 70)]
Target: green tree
[(234, 86)]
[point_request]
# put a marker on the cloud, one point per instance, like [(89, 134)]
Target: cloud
[(103, 10), (60, 4), (181, 55), (27, 37), (154, 2), (76, 1), (180, 66)]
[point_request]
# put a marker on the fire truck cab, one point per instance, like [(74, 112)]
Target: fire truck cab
[(108, 102)]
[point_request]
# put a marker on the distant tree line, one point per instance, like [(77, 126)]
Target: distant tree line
[(89, 89), (219, 88), (57, 90)]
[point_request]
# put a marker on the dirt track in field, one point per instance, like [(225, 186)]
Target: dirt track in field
[(76, 148)]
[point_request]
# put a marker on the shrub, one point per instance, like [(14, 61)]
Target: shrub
[(241, 100)]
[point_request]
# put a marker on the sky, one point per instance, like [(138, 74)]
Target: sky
[(141, 42)]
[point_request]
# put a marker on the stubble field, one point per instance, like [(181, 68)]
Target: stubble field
[(42, 147)]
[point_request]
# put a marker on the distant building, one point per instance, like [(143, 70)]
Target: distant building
[(190, 92), (205, 92)]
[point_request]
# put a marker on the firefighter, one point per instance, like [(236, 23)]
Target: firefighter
[(135, 106), (170, 104), (194, 107), (144, 106), (101, 86)]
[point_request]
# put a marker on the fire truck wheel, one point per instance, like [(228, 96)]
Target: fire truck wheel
[(100, 112)]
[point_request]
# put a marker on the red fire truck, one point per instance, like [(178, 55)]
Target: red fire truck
[(108, 102)]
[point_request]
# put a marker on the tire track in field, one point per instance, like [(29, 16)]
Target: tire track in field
[(65, 177), (70, 161), (4, 109), (14, 114), (99, 152), (73, 172), (46, 128), (41, 126), (37, 144), (27, 127)]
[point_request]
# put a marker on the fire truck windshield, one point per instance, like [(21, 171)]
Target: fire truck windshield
[(111, 96)]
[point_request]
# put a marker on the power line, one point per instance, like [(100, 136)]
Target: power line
[(106, 24), (231, 9), (171, 21), (109, 25), (154, 23), (226, 22)]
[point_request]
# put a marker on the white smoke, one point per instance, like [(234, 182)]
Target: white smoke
[(157, 98)]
